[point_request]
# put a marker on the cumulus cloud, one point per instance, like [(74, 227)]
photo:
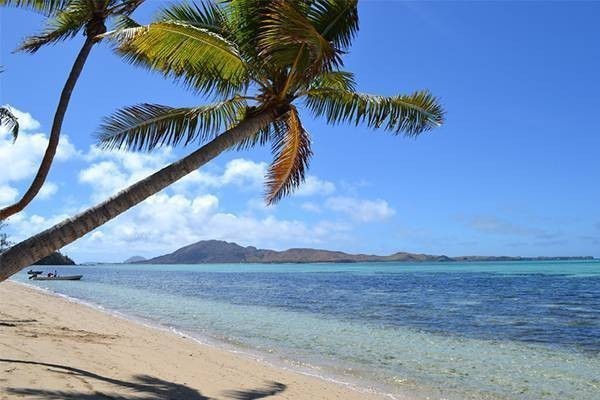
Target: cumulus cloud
[(165, 222), (26, 121), (111, 171), (311, 207), (361, 210), (240, 172), (48, 190), (314, 186), (187, 212), (8, 194), (23, 225), (24, 155)]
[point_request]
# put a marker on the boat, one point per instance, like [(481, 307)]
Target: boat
[(57, 278), (32, 272)]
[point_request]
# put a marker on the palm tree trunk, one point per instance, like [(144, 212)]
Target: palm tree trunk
[(59, 116), (52, 239)]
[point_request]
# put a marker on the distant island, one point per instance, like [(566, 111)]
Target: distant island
[(56, 258), (134, 259), (218, 251)]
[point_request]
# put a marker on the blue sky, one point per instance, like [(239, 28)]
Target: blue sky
[(514, 171)]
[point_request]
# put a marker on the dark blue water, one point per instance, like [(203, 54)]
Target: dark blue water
[(386, 318)]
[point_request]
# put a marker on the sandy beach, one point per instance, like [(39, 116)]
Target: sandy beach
[(52, 348)]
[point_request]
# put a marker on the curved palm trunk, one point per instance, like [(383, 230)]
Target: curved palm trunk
[(52, 239), (59, 116)]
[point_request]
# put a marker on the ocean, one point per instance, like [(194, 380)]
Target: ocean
[(453, 331)]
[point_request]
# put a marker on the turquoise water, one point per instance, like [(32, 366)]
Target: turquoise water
[(518, 330)]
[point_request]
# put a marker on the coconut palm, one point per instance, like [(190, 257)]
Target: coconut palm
[(259, 60), (66, 19)]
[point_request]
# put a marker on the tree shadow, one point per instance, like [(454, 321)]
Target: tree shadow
[(145, 387), (271, 389)]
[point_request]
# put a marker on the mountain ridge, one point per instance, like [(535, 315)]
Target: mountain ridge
[(220, 252)]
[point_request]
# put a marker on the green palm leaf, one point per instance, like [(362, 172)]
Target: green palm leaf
[(409, 114), (243, 20), (46, 7), (64, 25), (8, 119), (341, 80), (146, 126), (202, 59), (289, 40), (335, 20), (122, 22), (207, 16)]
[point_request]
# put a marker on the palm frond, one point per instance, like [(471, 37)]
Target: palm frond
[(206, 15), (122, 22), (46, 7), (122, 7), (146, 126), (9, 120), (204, 60), (409, 114), (292, 150), (341, 80), (64, 25), (243, 20), (289, 40), (335, 20)]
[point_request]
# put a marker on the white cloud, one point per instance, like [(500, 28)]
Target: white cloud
[(48, 190), (26, 121), (315, 186), (185, 212), (8, 194), (23, 225), (361, 210), (244, 172), (166, 222), (24, 155), (311, 207), (111, 171), (240, 172)]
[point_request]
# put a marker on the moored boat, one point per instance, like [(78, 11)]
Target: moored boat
[(32, 272), (57, 278)]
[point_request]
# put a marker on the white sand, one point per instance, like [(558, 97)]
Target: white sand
[(52, 348)]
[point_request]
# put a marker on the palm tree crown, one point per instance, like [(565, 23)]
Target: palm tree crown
[(69, 17), (253, 55)]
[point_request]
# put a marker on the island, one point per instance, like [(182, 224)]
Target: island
[(218, 251)]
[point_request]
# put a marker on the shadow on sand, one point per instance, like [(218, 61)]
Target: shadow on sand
[(142, 387)]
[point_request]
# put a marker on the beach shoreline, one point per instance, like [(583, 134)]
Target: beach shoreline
[(52, 347)]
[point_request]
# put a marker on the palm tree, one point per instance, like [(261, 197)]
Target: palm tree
[(67, 19), (258, 60)]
